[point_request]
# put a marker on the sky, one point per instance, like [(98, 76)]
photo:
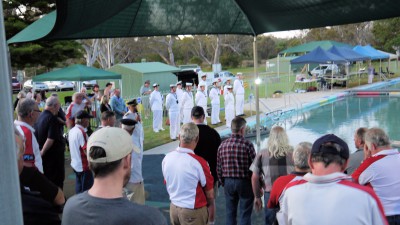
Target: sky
[(284, 34)]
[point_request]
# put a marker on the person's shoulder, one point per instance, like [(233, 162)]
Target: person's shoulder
[(145, 215)]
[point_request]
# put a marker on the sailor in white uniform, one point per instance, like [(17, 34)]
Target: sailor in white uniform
[(227, 83), (215, 102), (201, 99), (229, 106), (179, 93), (187, 103), (238, 90), (204, 81), (172, 105), (156, 104)]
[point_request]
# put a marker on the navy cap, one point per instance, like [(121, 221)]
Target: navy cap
[(342, 149), (132, 102), (82, 115), (128, 122)]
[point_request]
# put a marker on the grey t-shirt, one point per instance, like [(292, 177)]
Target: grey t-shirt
[(86, 209), (144, 89), (354, 161)]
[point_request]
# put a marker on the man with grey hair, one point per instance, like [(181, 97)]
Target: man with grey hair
[(327, 195), (234, 158), (358, 156), (51, 142), (190, 189), (77, 105), (380, 171), (28, 113), (300, 158)]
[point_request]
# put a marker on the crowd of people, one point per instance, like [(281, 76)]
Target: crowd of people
[(313, 183)]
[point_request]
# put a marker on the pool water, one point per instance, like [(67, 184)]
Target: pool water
[(342, 118)]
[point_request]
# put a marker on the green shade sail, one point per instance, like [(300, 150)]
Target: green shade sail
[(77, 73), (77, 19)]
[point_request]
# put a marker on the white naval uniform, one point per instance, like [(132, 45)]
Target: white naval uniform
[(156, 104), (179, 93), (229, 108), (238, 89), (226, 89), (201, 100), (205, 86), (187, 105), (136, 179), (172, 105), (215, 105)]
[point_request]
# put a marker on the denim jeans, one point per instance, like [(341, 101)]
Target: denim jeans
[(270, 214), (83, 181), (393, 220), (238, 192)]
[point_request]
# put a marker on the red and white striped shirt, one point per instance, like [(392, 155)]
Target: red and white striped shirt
[(77, 145), (32, 152), (381, 172), (187, 177)]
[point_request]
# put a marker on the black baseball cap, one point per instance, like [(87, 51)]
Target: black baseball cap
[(132, 102), (341, 148), (197, 111), (83, 114), (128, 122)]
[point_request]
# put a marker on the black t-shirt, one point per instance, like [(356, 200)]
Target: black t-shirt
[(38, 211), (47, 126), (30, 177), (207, 147)]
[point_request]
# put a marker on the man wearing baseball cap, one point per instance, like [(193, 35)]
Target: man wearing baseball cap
[(327, 195), (109, 156), (187, 103), (77, 139)]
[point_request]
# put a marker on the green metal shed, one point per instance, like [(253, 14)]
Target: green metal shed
[(133, 76)]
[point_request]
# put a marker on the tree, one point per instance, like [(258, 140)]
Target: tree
[(17, 16), (387, 35)]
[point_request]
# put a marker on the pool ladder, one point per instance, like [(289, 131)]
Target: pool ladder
[(292, 98)]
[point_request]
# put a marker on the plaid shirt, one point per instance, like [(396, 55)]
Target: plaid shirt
[(234, 158)]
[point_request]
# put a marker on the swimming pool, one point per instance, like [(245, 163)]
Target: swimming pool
[(342, 118)]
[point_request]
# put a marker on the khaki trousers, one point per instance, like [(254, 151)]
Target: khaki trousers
[(182, 216)]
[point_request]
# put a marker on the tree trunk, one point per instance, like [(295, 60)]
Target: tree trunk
[(217, 52)]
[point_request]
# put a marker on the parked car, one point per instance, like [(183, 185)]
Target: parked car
[(16, 85), (224, 75), (89, 83), (325, 69), (60, 85), (37, 86)]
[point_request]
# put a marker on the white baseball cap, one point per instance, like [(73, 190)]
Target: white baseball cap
[(216, 80), (189, 84), (202, 84), (228, 86), (116, 142), (172, 85)]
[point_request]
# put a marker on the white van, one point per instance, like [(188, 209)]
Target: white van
[(325, 69)]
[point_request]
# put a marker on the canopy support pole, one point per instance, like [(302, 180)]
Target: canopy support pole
[(10, 197), (258, 137)]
